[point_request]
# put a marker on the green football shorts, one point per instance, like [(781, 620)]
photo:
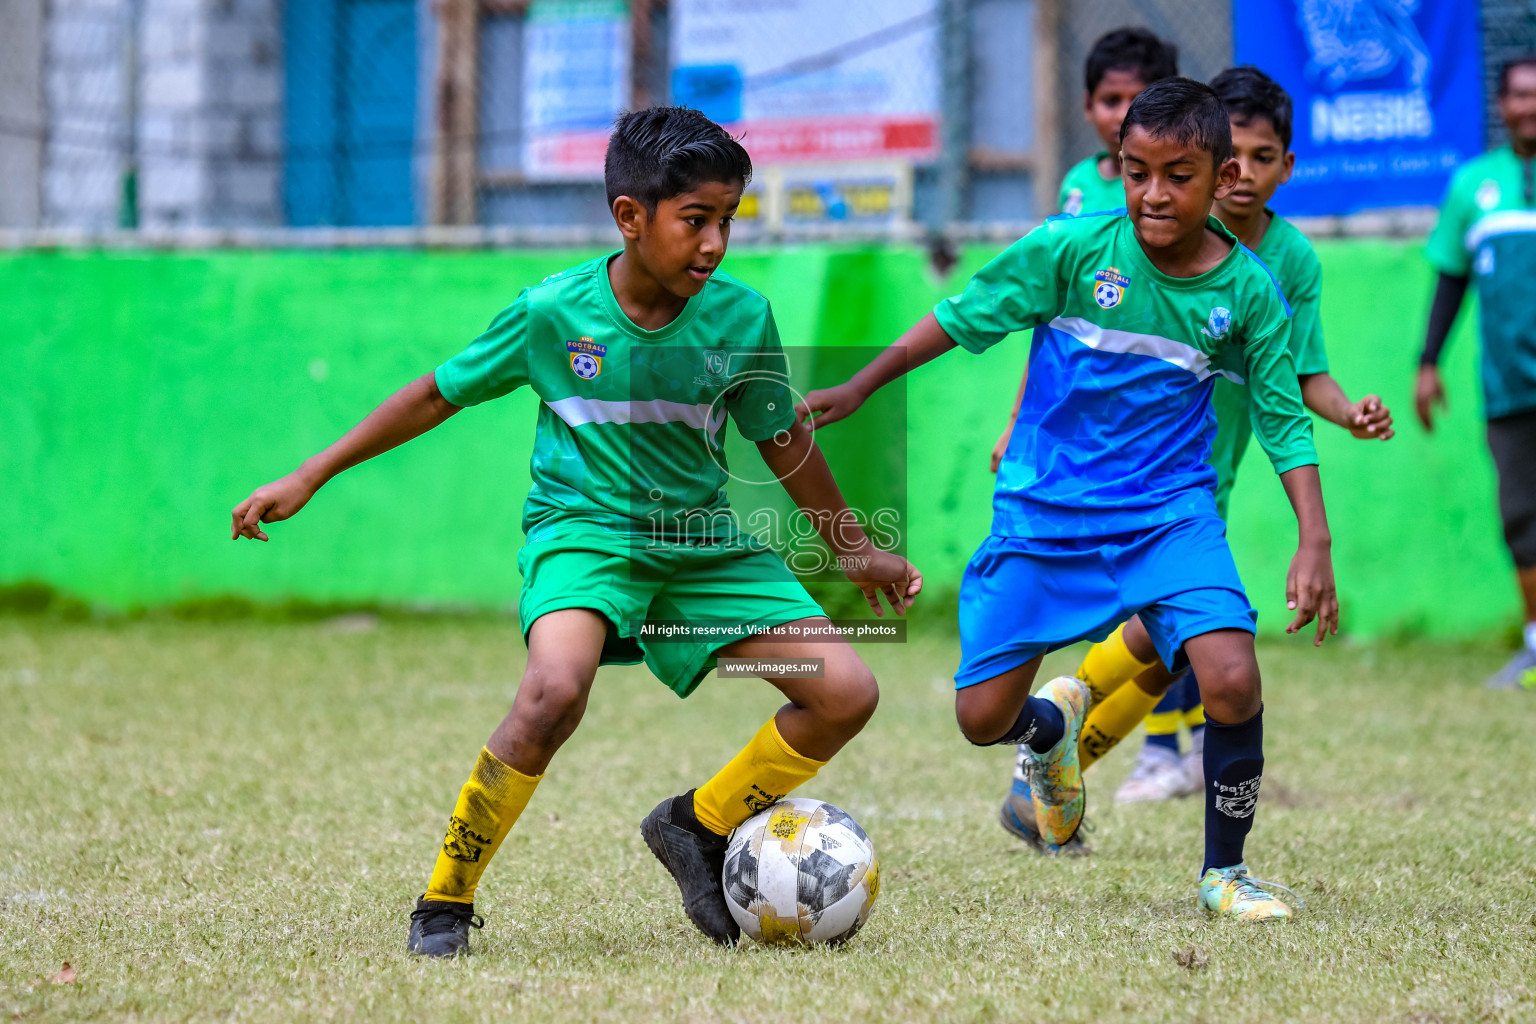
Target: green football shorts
[(722, 586)]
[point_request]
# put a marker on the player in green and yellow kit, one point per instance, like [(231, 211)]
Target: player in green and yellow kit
[(1261, 133), (1121, 64), (639, 358), (1487, 231)]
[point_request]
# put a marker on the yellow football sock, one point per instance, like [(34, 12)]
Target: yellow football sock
[(1163, 723), (1110, 665), (1112, 720), (489, 804), (1194, 718), (761, 775)]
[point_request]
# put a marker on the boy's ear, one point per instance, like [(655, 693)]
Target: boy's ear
[(630, 216), (1287, 165), (1227, 176)]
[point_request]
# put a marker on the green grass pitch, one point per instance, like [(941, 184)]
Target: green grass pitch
[(230, 821)]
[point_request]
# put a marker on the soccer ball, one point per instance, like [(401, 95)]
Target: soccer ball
[(801, 872)]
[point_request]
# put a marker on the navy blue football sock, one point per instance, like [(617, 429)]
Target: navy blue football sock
[(1163, 722), (1040, 725), (1234, 764)]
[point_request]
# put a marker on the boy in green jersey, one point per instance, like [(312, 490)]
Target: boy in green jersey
[(1121, 64), (639, 358), (1105, 504), (1261, 118), (1487, 233)]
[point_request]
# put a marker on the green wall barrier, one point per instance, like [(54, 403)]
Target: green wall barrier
[(149, 392)]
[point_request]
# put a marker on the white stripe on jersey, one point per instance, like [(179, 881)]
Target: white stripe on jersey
[(1504, 222), (1186, 357), (578, 411)]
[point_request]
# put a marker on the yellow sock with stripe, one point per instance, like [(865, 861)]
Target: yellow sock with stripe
[(765, 771), (1110, 665), (489, 804), (1112, 720)]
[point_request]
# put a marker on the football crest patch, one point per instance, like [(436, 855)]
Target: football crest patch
[(1219, 322), (1109, 287), (586, 357)]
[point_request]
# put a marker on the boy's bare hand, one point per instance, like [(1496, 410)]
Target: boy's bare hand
[(1309, 591), (888, 574), (1370, 420), (826, 406), (271, 503), (1428, 392)]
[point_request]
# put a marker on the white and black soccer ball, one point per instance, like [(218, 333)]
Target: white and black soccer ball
[(801, 872)]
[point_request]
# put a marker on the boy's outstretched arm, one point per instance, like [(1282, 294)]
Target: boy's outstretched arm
[(1368, 419), (800, 467), (409, 412), (924, 341), (1309, 588)]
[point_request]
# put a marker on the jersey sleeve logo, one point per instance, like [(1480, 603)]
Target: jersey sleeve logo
[(1109, 287), (586, 357), (1074, 204), (1218, 323)]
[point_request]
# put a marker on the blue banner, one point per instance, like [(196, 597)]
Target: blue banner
[(1388, 96)]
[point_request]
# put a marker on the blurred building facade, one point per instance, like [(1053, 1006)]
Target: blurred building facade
[(261, 113)]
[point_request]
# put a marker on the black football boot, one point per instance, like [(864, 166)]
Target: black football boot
[(441, 929), (695, 857)]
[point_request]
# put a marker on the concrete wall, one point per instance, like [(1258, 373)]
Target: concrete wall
[(87, 149), (21, 99), (211, 112), (188, 90)]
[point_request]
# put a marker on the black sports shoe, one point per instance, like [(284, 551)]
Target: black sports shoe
[(695, 857), (441, 929)]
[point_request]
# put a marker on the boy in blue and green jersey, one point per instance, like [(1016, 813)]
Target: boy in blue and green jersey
[(1261, 119), (1487, 232), (1105, 504), (639, 358), (1121, 64)]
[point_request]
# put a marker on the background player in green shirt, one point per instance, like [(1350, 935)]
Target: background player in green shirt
[(1261, 120), (639, 357), (1487, 228), (1121, 64)]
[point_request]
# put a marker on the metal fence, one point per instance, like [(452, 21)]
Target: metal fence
[(180, 116)]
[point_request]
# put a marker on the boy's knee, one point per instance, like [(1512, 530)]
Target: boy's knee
[(978, 721), (852, 701), (555, 697), (1231, 691)]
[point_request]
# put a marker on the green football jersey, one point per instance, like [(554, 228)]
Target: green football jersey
[(1289, 256), (1115, 426), (1085, 190), (631, 427), (1487, 230)]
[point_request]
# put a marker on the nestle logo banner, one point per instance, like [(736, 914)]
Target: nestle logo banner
[(1388, 96)]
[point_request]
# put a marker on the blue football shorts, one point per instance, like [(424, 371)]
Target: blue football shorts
[(1022, 597)]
